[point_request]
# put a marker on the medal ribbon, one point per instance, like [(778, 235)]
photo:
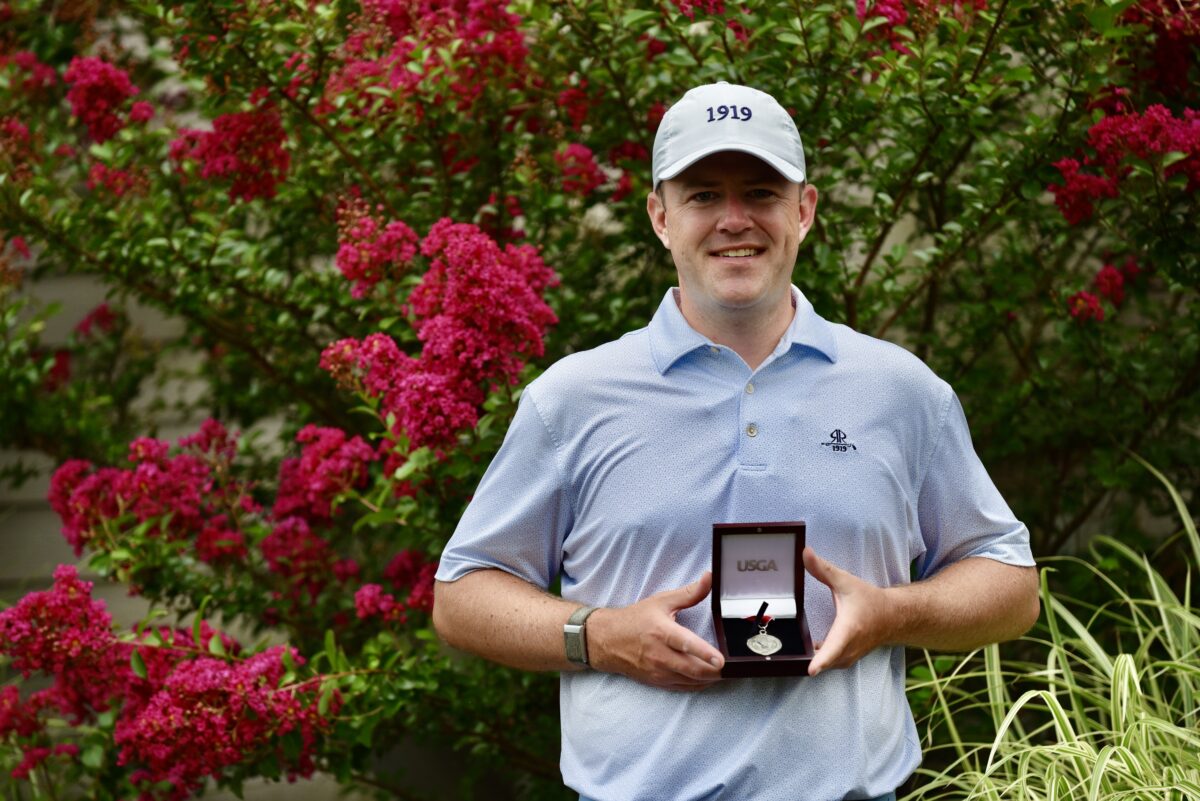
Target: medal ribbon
[(762, 618)]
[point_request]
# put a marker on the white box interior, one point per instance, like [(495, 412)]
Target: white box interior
[(757, 568)]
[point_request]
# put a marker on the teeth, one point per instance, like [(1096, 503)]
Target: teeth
[(740, 252)]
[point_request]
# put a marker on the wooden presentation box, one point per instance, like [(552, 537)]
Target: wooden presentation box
[(753, 564)]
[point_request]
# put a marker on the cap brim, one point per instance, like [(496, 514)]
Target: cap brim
[(788, 171)]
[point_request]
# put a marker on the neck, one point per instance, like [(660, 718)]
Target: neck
[(750, 333)]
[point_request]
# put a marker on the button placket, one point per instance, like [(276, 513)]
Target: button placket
[(752, 437)]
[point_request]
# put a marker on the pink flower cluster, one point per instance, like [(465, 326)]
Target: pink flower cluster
[(413, 571), (116, 182), (19, 246), (17, 154), (1084, 306), (98, 90), (60, 371), (371, 601), (623, 153), (330, 465), (185, 717), (1154, 132), (37, 77), (36, 755), (1077, 195), (574, 103), (581, 174), (303, 559), (487, 42), (1116, 139), (369, 251), (1110, 282), (15, 717), (478, 312), (64, 634), (409, 570), (100, 320), (247, 148), (655, 47), (157, 486), (209, 714), (1175, 38), (688, 7), (901, 13)]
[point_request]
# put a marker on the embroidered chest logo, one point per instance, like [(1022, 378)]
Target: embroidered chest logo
[(837, 441)]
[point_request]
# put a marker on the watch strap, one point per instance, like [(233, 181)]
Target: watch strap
[(575, 635)]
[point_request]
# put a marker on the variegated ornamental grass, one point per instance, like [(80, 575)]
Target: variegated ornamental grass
[(1107, 710)]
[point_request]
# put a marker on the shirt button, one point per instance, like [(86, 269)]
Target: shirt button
[(752, 430), (714, 350), (750, 388)]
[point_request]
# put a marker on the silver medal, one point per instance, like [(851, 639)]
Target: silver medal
[(764, 644)]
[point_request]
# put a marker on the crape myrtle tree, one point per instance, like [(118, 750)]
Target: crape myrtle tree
[(377, 220)]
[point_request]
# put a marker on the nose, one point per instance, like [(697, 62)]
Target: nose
[(734, 217)]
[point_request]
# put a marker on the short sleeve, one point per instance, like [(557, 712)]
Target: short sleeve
[(519, 515), (961, 512)]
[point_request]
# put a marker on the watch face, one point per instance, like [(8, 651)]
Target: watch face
[(576, 645)]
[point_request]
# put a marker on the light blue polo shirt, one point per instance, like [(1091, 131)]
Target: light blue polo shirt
[(621, 458)]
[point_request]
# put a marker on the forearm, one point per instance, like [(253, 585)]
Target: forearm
[(500, 617), (503, 618), (965, 605)]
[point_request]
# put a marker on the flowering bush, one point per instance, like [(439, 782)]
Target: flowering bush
[(376, 220), (175, 714)]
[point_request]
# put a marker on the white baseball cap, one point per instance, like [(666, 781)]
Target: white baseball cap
[(725, 116)]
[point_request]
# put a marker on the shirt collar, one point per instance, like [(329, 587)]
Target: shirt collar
[(671, 337)]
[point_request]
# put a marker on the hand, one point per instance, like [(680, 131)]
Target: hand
[(644, 642), (860, 622)]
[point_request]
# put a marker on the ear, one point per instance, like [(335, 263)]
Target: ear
[(658, 217), (808, 209)]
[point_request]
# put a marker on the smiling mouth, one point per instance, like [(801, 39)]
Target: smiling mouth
[(738, 253)]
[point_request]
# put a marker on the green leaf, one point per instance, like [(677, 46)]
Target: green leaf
[(327, 688), (631, 19), (215, 646), (288, 660), (93, 756), (136, 663), (849, 29), (198, 621), (330, 647), (1174, 157)]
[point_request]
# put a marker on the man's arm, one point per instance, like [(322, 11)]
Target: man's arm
[(963, 606), (498, 616)]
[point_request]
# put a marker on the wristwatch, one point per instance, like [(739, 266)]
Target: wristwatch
[(575, 635)]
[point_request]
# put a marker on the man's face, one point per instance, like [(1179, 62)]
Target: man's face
[(733, 226)]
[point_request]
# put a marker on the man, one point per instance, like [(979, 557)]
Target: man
[(620, 459)]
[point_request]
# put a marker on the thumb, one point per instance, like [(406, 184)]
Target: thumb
[(689, 595), (819, 569)]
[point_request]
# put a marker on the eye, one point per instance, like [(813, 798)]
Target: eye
[(704, 196), (761, 193)]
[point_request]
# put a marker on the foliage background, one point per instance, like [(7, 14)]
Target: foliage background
[(1007, 188)]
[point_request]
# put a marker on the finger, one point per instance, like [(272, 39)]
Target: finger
[(688, 595), (826, 657), (825, 572), (702, 658), (830, 652)]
